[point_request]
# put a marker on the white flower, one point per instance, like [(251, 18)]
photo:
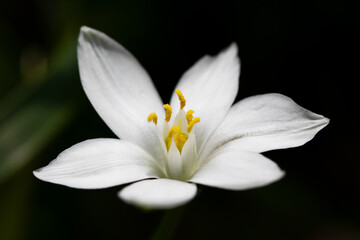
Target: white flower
[(201, 139)]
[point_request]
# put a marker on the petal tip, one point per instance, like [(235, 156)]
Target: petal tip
[(281, 175), (38, 174), (323, 122), (275, 178), (86, 29), (234, 47), (326, 121), (39, 171), (232, 52)]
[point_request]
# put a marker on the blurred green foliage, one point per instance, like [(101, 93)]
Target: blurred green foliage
[(33, 105), (38, 99)]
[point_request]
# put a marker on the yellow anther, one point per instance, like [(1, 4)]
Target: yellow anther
[(168, 143), (180, 139), (181, 98), (168, 110), (152, 117), (173, 130), (192, 123), (189, 116)]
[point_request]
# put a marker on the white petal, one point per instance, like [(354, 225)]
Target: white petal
[(234, 169), (118, 87), (174, 162), (266, 122), (160, 144), (189, 156), (158, 193), (99, 163), (210, 87), (165, 132)]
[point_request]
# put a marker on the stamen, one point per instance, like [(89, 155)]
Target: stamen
[(181, 98), (180, 139), (189, 115), (152, 117), (168, 110), (174, 129), (192, 123)]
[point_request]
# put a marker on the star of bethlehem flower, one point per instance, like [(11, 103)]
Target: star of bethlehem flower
[(200, 137)]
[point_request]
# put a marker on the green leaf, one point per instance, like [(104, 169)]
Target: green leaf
[(26, 133)]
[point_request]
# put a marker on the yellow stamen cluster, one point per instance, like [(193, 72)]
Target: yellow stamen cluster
[(175, 132), (168, 110), (152, 117)]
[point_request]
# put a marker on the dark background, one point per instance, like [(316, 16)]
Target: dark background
[(308, 51)]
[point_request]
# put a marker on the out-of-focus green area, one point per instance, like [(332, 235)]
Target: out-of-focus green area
[(308, 51), (37, 98)]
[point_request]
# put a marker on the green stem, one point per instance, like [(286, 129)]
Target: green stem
[(168, 224)]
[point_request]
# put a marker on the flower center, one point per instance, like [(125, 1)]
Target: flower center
[(180, 130)]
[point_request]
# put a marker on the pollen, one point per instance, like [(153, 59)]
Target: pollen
[(189, 115), (192, 123), (180, 139), (168, 110), (181, 98), (152, 117), (174, 130)]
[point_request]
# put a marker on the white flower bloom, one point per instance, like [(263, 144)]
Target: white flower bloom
[(200, 138)]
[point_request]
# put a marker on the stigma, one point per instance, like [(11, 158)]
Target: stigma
[(182, 125)]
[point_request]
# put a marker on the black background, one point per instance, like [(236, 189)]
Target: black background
[(308, 51)]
